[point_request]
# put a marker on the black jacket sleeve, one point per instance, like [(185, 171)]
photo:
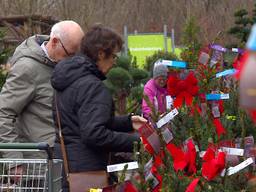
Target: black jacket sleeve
[(122, 123), (94, 117)]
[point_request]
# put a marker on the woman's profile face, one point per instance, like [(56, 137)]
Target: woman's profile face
[(106, 63)]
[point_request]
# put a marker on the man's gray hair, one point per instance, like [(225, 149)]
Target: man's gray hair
[(59, 29)]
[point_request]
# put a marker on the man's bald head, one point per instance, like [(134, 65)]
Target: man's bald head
[(65, 36), (69, 32)]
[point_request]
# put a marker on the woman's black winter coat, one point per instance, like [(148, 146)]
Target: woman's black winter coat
[(89, 127)]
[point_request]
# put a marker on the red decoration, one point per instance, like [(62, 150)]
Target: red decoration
[(182, 160), (182, 89), (158, 159), (191, 157), (179, 160), (213, 165), (219, 127), (129, 187), (192, 185)]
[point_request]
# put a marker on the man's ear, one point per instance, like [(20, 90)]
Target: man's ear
[(55, 42)]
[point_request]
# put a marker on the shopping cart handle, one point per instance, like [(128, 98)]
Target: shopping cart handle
[(43, 146), (39, 146)]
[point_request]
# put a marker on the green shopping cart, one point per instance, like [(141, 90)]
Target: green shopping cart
[(38, 175)]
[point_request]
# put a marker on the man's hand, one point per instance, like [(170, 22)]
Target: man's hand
[(137, 121), (17, 172)]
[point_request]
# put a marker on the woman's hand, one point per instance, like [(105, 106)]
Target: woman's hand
[(137, 121)]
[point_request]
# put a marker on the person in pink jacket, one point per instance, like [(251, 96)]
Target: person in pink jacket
[(155, 90)]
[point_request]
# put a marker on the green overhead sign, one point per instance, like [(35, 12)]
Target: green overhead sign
[(141, 46)]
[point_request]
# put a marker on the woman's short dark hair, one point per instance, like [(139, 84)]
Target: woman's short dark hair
[(100, 38)]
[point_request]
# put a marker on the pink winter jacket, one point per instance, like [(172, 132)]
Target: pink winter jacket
[(156, 95)]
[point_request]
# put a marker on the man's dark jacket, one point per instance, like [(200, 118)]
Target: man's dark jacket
[(89, 127)]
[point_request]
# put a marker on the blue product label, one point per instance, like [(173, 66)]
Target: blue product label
[(226, 72), (177, 64), (210, 97)]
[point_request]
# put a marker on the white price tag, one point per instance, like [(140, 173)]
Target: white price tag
[(201, 154), (224, 96), (232, 151), (233, 170), (167, 118), (234, 50), (196, 147), (120, 167), (169, 102)]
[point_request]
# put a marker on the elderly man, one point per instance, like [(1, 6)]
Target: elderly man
[(26, 97)]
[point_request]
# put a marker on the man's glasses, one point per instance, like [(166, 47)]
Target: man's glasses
[(67, 53)]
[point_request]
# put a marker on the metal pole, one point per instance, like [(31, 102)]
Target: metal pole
[(173, 41), (165, 39), (50, 175), (125, 41)]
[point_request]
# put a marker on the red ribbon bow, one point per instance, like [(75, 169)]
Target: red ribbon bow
[(213, 165), (182, 160), (182, 89)]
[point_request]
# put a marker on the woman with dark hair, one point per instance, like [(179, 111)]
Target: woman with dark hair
[(89, 127)]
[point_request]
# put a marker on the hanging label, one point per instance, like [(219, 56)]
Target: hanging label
[(95, 190), (213, 62), (248, 145), (149, 133), (167, 135), (211, 97), (203, 58), (233, 170), (155, 181), (232, 151), (237, 50), (148, 166), (226, 72), (218, 48), (120, 166), (234, 50), (169, 102), (167, 118), (216, 111), (201, 153), (178, 64), (203, 109)]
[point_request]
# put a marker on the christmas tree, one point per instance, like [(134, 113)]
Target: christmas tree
[(204, 142)]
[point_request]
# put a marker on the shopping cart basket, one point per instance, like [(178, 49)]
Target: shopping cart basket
[(38, 175)]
